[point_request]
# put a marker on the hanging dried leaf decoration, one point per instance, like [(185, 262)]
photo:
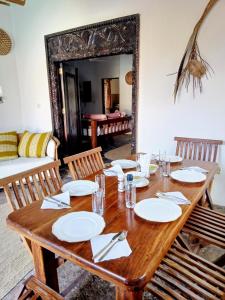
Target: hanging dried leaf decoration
[(193, 66)]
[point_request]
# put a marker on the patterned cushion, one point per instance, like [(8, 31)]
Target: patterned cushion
[(33, 144), (8, 145)]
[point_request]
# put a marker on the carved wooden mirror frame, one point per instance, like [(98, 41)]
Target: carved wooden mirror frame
[(113, 37)]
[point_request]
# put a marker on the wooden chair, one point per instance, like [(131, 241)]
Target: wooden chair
[(204, 224), (85, 163), (197, 149), (22, 189), (35, 289), (32, 185), (183, 275), (207, 226)]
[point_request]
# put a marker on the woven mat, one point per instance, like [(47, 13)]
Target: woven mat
[(15, 261)]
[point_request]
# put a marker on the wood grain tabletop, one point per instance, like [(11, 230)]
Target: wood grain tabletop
[(149, 241)]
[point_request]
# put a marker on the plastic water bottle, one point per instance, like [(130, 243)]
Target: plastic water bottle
[(130, 192)]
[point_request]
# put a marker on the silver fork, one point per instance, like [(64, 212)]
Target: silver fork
[(121, 237)]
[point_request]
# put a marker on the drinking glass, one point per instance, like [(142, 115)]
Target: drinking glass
[(138, 158), (98, 202), (161, 159), (100, 180), (130, 195), (166, 168)]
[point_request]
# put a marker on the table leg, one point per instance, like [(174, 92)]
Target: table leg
[(45, 266), (123, 294)]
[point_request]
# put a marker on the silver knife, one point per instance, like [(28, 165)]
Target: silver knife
[(59, 201), (107, 245), (162, 195)]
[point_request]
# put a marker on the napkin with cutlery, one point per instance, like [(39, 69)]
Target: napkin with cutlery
[(176, 197), (120, 249), (57, 201), (113, 171)]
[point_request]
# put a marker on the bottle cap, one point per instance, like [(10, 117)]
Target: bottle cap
[(130, 177)]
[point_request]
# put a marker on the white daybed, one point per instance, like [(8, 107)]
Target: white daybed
[(20, 164)]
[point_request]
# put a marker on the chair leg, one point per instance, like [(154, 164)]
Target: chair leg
[(209, 199), (25, 294), (220, 261), (206, 200)]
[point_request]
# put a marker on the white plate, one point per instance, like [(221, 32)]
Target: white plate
[(188, 176), (157, 210), (80, 187), (125, 163), (173, 158), (78, 226), (141, 181)]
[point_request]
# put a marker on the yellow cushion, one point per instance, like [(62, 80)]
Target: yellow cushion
[(8, 145), (33, 144)]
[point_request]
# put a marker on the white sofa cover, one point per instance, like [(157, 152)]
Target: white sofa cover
[(21, 164)]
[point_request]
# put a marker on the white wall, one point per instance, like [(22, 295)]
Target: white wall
[(10, 110), (106, 67), (165, 28)]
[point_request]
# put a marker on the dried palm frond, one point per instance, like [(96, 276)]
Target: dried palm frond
[(193, 66)]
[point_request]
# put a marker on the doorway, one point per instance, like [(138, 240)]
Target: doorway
[(96, 89), (113, 37)]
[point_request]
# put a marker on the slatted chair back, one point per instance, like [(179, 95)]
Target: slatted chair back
[(32, 185), (184, 275), (85, 163), (197, 149)]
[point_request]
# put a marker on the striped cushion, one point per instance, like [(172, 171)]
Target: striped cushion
[(33, 144), (8, 145)]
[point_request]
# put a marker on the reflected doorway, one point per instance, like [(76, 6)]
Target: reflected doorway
[(110, 95)]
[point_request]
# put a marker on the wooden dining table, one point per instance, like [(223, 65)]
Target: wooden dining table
[(149, 241)]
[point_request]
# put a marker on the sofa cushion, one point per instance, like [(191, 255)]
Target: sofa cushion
[(21, 164), (8, 145), (33, 144)]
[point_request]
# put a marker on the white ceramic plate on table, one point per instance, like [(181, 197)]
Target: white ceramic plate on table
[(80, 187), (139, 179), (124, 163), (78, 226), (173, 158), (157, 210), (188, 176)]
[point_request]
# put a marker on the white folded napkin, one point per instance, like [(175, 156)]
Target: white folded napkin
[(197, 169), (176, 197), (113, 171), (120, 249), (144, 162), (48, 203)]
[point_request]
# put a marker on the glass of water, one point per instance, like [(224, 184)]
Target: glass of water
[(166, 168), (130, 195), (98, 202), (100, 180)]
